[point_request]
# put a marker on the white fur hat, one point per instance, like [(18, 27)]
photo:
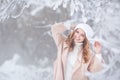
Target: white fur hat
[(86, 28)]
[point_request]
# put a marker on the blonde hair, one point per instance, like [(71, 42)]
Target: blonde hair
[(86, 51)]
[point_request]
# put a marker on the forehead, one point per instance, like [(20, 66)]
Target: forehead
[(80, 30)]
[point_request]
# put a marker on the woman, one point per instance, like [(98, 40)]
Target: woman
[(74, 56)]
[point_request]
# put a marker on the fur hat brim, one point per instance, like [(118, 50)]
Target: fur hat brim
[(86, 28)]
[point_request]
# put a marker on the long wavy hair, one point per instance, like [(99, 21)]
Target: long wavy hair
[(86, 50)]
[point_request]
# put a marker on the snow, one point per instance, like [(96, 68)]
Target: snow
[(25, 33)]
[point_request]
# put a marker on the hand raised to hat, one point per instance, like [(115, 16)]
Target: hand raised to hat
[(69, 26), (97, 46)]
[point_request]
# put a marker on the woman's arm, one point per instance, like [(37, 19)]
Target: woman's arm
[(57, 32), (96, 63)]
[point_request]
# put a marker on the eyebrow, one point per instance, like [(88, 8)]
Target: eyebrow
[(81, 33)]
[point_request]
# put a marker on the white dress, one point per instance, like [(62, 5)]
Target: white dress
[(71, 58)]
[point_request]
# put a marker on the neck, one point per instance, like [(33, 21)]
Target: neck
[(79, 44)]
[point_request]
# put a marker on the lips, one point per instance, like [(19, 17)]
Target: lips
[(77, 39)]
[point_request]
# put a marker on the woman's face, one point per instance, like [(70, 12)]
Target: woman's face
[(79, 36)]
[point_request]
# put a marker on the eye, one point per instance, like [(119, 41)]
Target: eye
[(82, 35), (77, 31)]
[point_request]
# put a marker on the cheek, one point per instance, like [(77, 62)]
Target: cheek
[(76, 35), (82, 38)]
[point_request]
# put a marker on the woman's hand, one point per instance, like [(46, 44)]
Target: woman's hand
[(97, 46), (69, 26)]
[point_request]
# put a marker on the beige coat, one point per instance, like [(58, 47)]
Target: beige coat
[(78, 72)]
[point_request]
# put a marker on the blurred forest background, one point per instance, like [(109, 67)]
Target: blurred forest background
[(27, 49)]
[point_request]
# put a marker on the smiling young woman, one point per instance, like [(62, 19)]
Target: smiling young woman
[(74, 56)]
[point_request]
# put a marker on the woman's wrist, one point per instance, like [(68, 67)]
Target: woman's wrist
[(99, 56), (67, 26)]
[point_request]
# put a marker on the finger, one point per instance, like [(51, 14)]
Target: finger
[(97, 44)]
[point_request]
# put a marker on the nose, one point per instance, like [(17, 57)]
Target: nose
[(78, 36)]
